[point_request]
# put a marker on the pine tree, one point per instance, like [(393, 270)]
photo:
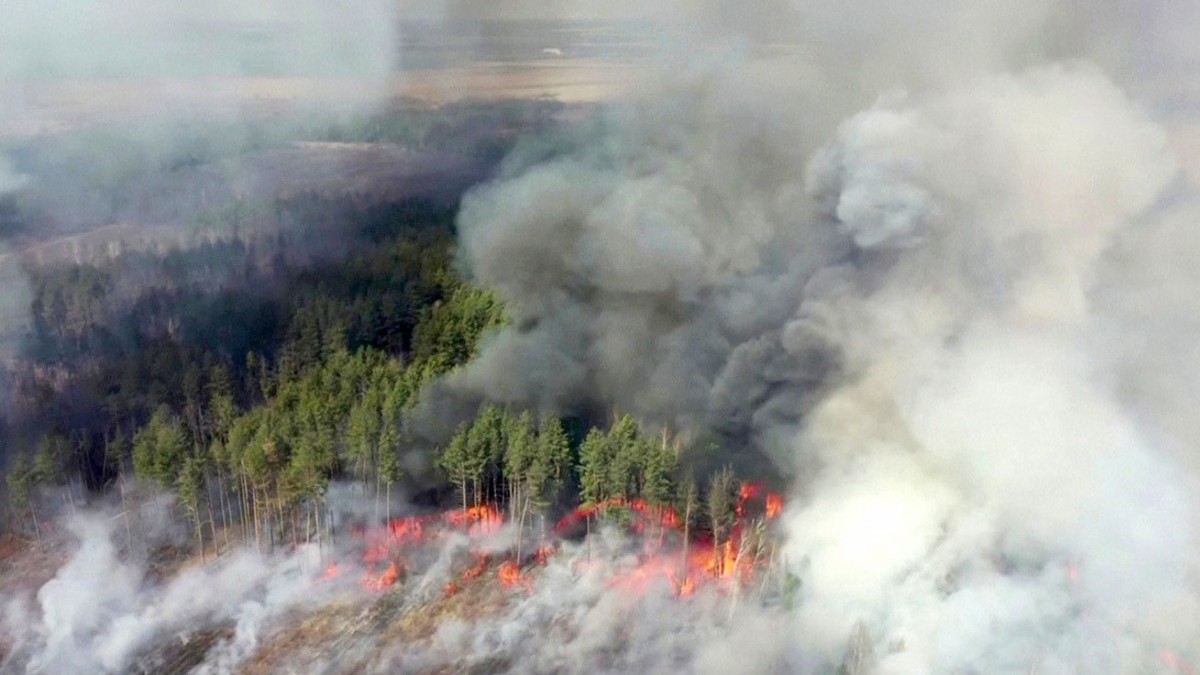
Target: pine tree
[(485, 451), (159, 449), (363, 433), (656, 467), (593, 467), (625, 450), (555, 450), (454, 460), (191, 487), (520, 461), (388, 470), (221, 408), (525, 469)]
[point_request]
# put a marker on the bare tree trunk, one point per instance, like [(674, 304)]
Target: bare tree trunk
[(199, 533), (687, 537), (212, 526), (37, 527), (320, 536), (223, 498), (257, 526), (377, 479), (521, 528)]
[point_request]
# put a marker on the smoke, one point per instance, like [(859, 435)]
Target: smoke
[(104, 611), (10, 180), (144, 39), (935, 263), (943, 283), (576, 621), (94, 95)]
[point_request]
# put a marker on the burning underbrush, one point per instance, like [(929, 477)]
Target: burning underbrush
[(439, 581), (393, 596), (667, 548)]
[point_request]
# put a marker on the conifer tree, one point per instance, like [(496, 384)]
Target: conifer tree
[(455, 462), (159, 449)]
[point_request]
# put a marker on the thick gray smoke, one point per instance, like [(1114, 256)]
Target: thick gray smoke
[(960, 317)]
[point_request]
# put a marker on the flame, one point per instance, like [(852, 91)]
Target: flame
[(662, 516), (686, 587), (398, 536), (331, 572), (544, 553), (774, 505), (510, 576), (385, 580), (472, 572), (481, 521), (475, 570), (661, 559)]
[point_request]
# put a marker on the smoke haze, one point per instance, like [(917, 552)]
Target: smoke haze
[(927, 266)]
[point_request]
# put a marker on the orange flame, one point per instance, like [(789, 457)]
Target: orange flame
[(662, 516), (385, 580), (482, 520), (774, 505), (686, 587), (510, 575), (475, 570), (704, 562)]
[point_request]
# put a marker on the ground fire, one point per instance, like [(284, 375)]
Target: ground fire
[(685, 560)]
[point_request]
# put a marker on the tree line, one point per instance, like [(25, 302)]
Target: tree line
[(247, 406)]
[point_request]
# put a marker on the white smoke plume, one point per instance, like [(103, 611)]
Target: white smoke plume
[(102, 612), (576, 621), (959, 318)]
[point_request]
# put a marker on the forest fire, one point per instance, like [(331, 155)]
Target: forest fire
[(683, 557), (386, 547), (510, 576), (662, 516)]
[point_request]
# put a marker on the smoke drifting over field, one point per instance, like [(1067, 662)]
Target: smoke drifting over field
[(953, 316), (102, 612)]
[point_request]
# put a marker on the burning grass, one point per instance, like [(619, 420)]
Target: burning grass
[(669, 551)]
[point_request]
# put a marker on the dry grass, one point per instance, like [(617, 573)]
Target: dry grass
[(352, 634)]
